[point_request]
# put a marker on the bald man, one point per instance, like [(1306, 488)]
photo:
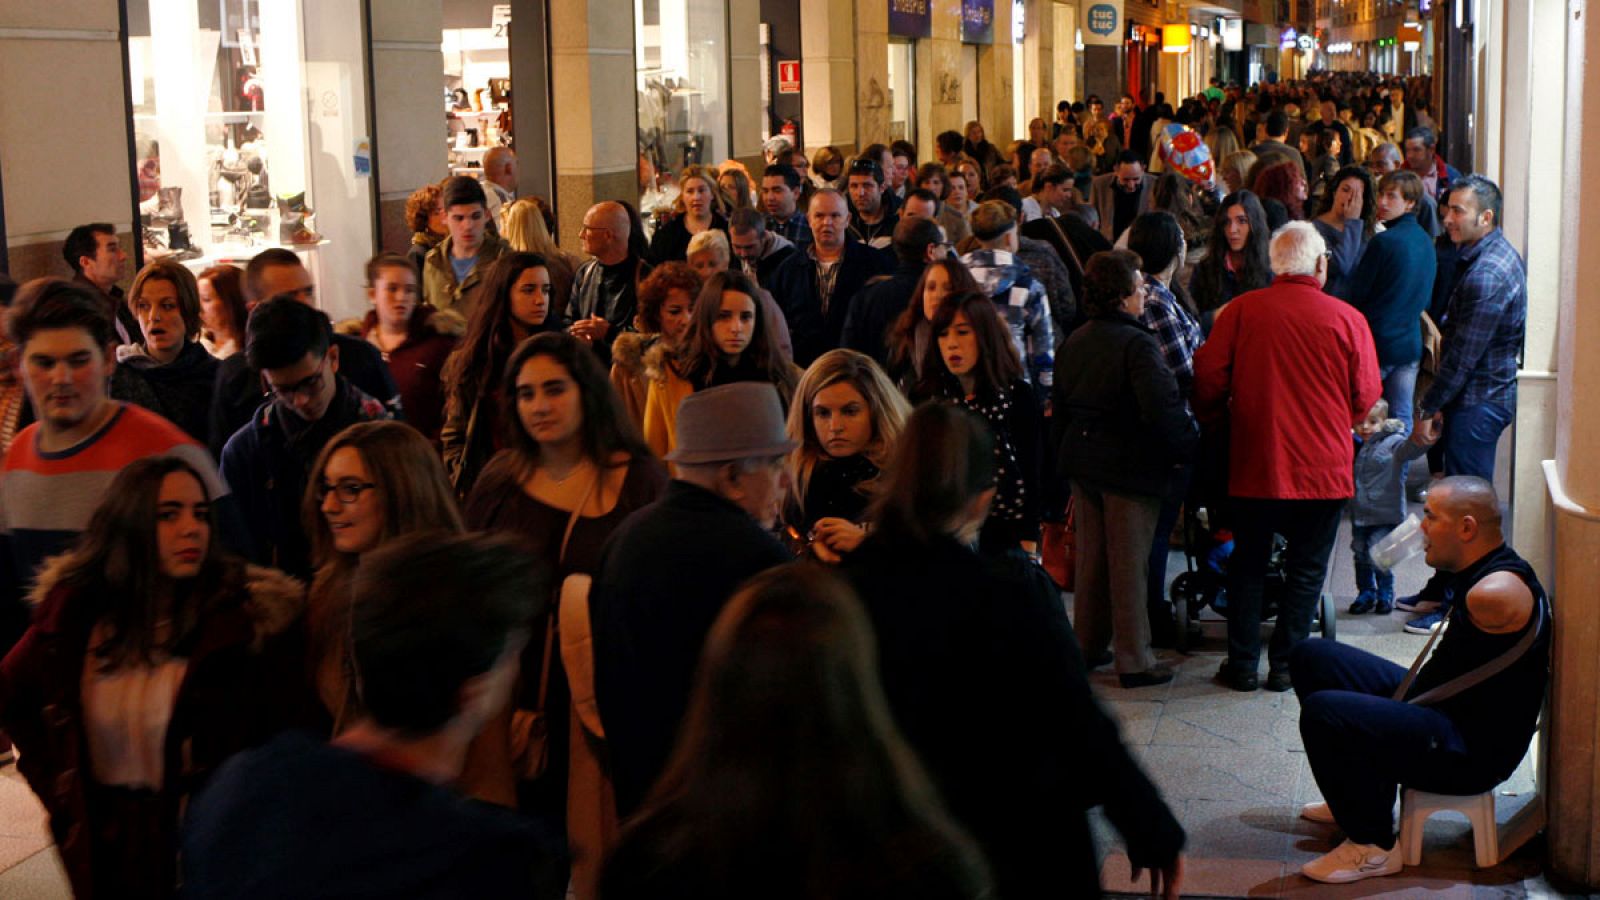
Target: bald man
[(500, 174), (605, 292), (1459, 728)]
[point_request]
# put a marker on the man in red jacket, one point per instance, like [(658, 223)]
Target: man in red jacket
[(1288, 370)]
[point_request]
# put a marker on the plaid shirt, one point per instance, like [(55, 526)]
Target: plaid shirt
[(1482, 329), (1177, 331)]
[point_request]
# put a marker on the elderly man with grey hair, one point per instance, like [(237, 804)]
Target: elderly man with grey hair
[(1288, 371)]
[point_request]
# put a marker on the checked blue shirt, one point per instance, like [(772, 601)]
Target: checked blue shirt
[(1177, 331), (1483, 329)]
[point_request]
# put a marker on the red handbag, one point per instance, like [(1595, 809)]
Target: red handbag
[(1058, 549)]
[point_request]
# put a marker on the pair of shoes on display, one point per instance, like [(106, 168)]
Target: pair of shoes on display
[(1416, 604), (1425, 624), (1148, 678), (1239, 679), (1366, 602), (1351, 861)]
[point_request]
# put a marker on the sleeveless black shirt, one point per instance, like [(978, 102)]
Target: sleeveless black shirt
[(1496, 718)]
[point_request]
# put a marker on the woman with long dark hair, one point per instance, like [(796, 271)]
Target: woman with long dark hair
[(1024, 766), (514, 303), (152, 658), (1347, 219), (729, 340), (973, 362), (1236, 256), (976, 145), (573, 468), (789, 778), (846, 417), (374, 482), (912, 333)]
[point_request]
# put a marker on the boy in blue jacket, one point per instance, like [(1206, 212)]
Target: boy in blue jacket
[(1382, 452)]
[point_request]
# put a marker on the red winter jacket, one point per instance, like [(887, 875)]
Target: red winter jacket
[(243, 684), (418, 364), (1288, 369)]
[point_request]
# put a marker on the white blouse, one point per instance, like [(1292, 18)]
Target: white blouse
[(125, 715)]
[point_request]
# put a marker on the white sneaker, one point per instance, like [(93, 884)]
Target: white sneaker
[(1352, 862), (1318, 813)]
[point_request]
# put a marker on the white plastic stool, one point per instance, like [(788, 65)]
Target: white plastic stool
[(1416, 806)]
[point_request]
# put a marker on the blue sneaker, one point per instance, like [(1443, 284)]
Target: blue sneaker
[(1365, 601), (1416, 603), (1425, 624), (1384, 604)]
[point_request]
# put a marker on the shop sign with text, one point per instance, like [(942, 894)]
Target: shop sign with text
[(1102, 22), (977, 21), (911, 18)]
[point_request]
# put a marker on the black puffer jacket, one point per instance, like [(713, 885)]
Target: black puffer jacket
[(1118, 421)]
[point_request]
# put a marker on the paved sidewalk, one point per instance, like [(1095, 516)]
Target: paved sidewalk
[(1233, 769)]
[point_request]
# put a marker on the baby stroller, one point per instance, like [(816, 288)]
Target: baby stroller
[(1204, 583)]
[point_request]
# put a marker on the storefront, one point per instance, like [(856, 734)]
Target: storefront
[(910, 21), (229, 160), (681, 64), (1144, 63)]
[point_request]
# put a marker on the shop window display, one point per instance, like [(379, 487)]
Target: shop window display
[(477, 83), (681, 60), (250, 130)]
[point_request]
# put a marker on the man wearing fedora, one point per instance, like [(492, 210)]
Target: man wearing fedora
[(667, 571)]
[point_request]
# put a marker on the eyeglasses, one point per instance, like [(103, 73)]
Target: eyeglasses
[(348, 491), (309, 386)]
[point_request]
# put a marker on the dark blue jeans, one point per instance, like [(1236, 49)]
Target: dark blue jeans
[(1362, 746), (1161, 547), (1309, 527), (1399, 389), (1368, 576), (1471, 436)]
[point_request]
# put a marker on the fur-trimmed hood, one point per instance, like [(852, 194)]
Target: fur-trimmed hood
[(631, 349), (426, 322), (275, 602)]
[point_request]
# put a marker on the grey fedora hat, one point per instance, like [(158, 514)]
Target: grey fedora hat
[(734, 421)]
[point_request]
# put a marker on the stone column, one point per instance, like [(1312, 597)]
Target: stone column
[(942, 83), (596, 131), (405, 56), (872, 73), (1038, 47), (828, 73), (1573, 776), (62, 169), (1102, 73), (994, 89)]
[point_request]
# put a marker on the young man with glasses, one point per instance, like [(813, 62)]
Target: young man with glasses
[(278, 273), (307, 402)]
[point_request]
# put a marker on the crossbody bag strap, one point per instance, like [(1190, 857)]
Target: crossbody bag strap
[(1486, 671), (550, 617), (1066, 242), (1416, 666)]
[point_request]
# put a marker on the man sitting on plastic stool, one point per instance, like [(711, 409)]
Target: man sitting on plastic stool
[(1457, 723)]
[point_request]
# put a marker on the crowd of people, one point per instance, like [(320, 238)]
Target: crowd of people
[(706, 562)]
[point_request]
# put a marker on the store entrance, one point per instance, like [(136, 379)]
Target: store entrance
[(902, 90)]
